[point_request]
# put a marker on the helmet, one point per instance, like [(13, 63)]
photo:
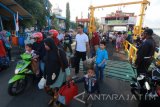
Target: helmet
[(38, 36), (53, 32)]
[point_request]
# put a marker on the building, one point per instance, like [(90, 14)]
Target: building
[(118, 18), (61, 22), (8, 12), (57, 11), (83, 21)]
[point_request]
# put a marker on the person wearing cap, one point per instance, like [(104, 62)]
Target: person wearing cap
[(145, 52)]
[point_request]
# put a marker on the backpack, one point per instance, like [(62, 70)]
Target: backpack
[(63, 59)]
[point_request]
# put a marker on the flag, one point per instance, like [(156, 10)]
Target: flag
[(17, 24)]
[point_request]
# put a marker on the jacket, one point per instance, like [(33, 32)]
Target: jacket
[(90, 83), (147, 49)]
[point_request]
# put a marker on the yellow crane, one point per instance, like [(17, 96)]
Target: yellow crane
[(137, 28)]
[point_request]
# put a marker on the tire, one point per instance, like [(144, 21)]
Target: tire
[(20, 84), (139, 95), (133, 91)]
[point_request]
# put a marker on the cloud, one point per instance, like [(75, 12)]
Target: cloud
[(152, 18)]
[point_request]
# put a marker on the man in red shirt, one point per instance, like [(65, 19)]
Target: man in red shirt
[(94, 43)]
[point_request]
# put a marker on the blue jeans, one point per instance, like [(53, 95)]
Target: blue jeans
[(100, 70), (93, 53), (42, 66)]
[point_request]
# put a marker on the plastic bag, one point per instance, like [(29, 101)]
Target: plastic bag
[(89, 63), (42, 83)]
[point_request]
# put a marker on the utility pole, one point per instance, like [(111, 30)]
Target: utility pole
[(47, 9)]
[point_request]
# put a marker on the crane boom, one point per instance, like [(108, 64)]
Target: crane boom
[(120, 4)]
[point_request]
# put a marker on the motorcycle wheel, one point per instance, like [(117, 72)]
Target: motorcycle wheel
[(17, 87), (135, 93)]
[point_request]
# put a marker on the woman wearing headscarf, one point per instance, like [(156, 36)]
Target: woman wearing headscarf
[(53, 73), (52, 64)]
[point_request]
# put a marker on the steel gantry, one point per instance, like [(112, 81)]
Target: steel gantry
[(137, 28)]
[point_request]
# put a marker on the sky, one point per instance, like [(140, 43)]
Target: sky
[(80, 8)]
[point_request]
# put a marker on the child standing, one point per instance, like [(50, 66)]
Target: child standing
[(90, 83), (34, 61), (101, 58)]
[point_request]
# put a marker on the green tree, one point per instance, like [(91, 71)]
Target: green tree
[(73, 25), (54, 22), (37, 8), (67, 17)]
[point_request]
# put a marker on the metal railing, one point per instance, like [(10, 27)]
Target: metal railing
[(131, 51)]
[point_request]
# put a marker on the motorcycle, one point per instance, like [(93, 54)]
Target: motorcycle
[(147, 86), (140, 87), (18, 82)]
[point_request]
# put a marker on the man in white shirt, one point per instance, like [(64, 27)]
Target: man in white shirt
[(82, 47)]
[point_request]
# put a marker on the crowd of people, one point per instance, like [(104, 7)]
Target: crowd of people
[(54, 64), (116, 38), (49, 59)]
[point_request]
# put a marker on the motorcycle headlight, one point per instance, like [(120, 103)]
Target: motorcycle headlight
[(17, 70), (147, 86)]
